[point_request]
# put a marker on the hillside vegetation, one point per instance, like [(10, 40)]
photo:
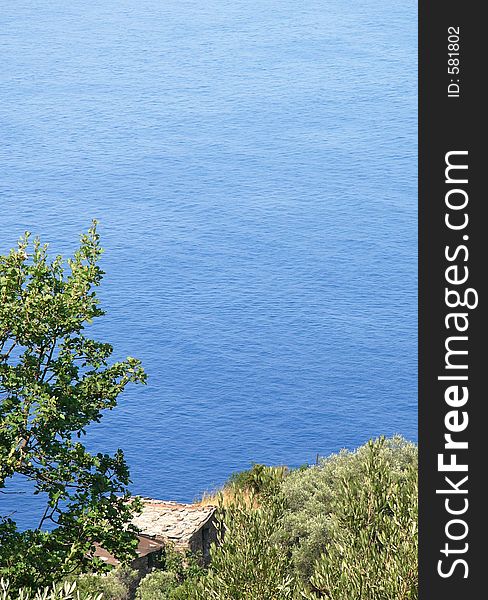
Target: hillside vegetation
[(344, 529)]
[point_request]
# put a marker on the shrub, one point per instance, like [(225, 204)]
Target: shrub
[(170, 582), (157, 585), (183, 564), (372, 554), (259, 479), (118, 584), (314, 496), (343, 530), (66, 591), (247, 564)]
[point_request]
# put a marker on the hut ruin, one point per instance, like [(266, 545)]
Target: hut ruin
[(188, 527)]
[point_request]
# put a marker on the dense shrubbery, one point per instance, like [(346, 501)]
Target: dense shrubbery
[(118, 584), (248, 565), (344, 529), (372, 531), (316, 497), (176, 576), (341, 530), (158, 585)]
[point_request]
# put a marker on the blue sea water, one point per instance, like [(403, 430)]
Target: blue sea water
[(253, 168)]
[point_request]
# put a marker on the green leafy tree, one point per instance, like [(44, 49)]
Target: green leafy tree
[(54, 382)]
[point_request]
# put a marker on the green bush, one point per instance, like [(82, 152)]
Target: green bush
[(118, 584), (372, 553), (313, 496), (343, 530), (247, 564), (170, 582), (184, 565), (66, 591), (185, 591), (158, 585), (259, 479)]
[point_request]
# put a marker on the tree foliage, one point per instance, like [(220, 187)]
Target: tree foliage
[(158, 585), (54, 382), (314, 496), (372, 549)]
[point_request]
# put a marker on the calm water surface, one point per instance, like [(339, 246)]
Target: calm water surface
[(253, 166)]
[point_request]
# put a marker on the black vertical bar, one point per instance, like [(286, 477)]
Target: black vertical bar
[(452, 119)]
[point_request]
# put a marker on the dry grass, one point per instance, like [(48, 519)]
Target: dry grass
[(227, 496), (241, 487)]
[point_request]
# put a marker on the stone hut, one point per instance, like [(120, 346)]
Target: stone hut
[(189, 527), (186, 526)]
